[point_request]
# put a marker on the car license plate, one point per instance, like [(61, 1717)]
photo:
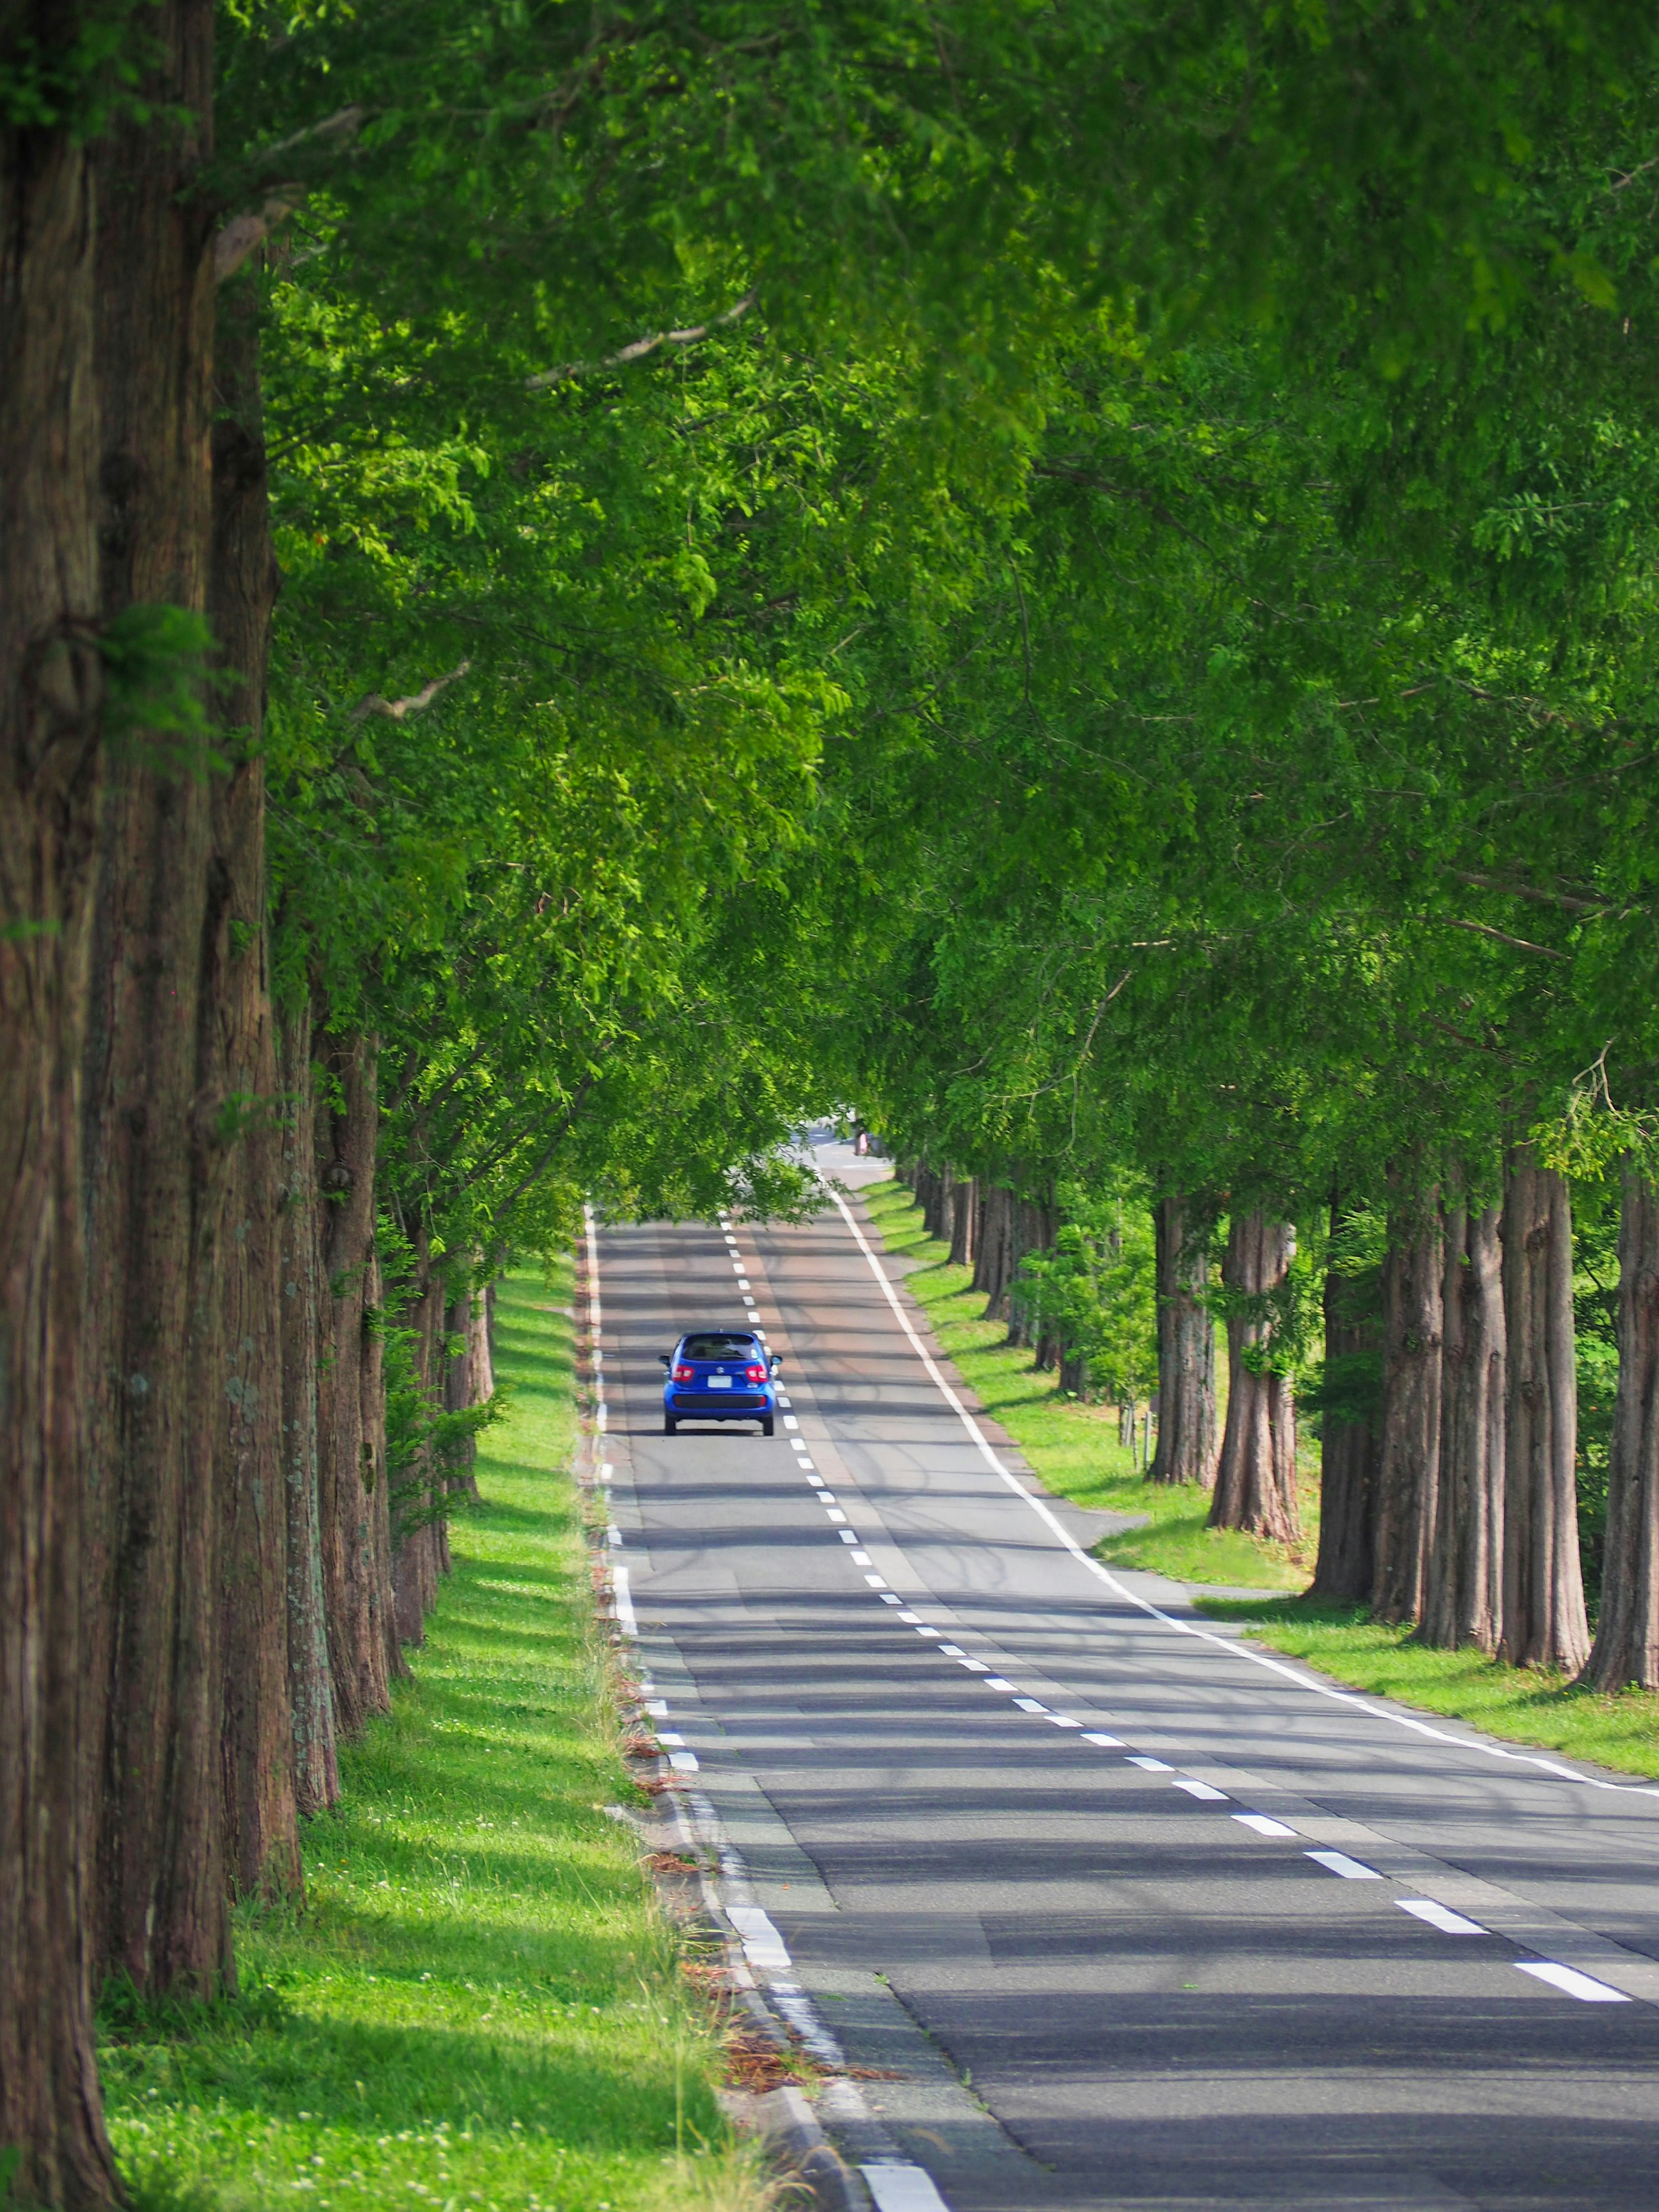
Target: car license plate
[(720, 1381)]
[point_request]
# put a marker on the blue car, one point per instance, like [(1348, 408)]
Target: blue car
[(719, 1375)]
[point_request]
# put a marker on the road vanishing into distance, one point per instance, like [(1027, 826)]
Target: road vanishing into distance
[(1114, 1910)]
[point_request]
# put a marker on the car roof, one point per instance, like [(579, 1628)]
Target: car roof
[(720, 1328)]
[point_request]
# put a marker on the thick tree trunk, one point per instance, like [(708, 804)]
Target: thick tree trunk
[(262, 1844), (1352, 1437), (1256, 1480), (310, 1688), (162, 1158), (993, 1247), (464, 1384), (377, 1479), (416, 1560), (1185, 1353), (350, 1464), (1626, 1649), (1408, 1476), (1545, 1623), (1033, 1231), (965, 1206), (1463, 1596), (51, 1705)]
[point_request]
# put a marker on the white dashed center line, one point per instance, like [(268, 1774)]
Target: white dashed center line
[(1576, 1984), (1440, 1916), (996, 1682), (1340, 1862), (1106, 1742), (1031, 1705), (1152, 1765), (1262, 1825), (1198, 1790)]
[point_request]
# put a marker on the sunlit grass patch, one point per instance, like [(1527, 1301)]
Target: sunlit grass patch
[(1074, 1447), (482, 2005)]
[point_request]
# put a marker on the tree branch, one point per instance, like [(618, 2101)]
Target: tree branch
[(395, 709), (1503, 937), (640, 347)]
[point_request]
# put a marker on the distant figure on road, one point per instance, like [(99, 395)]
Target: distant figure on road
[(861, 1144)]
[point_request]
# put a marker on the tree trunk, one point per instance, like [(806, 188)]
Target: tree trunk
[(1352, 1437), (351, 1493), (51, 1704), (161, 1156), (993, 1265), (464, 1384), (1031, 1229), (1185, 1353), (310, 1688), (1256, 1480), (415, 1561), (1463, 1596), (1626, 1649), (965, 1206), (1544, 1619), (377, 1478), (1408, 1475), (263, 1842)]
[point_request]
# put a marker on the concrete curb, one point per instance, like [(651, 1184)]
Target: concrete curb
[(792, 2139)]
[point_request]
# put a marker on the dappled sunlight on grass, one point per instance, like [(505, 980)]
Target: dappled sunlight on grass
[(481, 2004)]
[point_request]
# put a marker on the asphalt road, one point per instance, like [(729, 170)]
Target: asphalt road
[(1043, 1845)]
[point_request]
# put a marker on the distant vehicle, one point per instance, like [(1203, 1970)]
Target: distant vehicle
[(719, 1375)]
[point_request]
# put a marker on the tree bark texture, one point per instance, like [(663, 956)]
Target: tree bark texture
[(1185, 1353), (1408, 1476), (51, 2112), (1463, 1595), (310, 1688), (964, 1202), (1034, 1228), (416, 1561), (1351, 1448), (160, 1159), (1626, 1648), (993, 1238), (1545, 1623), (262, 1837), (350, 1464), (1255, 1478)]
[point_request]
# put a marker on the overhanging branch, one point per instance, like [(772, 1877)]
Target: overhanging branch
[(640, 347)]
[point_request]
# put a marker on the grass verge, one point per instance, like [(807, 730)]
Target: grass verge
[(1074, 1447), (1522, 1705), (482, 2003)]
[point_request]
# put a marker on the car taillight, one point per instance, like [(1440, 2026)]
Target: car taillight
[(683, 1373), (754, 1375)]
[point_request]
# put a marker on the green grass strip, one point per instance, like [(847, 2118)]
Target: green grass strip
[(481, 2004), (1074, 1447)]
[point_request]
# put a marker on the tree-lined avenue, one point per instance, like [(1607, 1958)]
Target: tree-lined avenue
[(1077, 1838)]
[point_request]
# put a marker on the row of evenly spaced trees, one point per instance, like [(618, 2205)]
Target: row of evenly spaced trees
[(1277, 832), (573, 583)]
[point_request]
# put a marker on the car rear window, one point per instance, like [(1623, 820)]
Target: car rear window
[(718, 1347)]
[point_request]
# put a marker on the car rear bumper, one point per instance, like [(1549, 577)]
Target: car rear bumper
[(716, 1404)]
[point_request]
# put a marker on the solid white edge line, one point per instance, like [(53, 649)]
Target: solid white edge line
[(1234, 1649), (623, 1599), (898, 2188)]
